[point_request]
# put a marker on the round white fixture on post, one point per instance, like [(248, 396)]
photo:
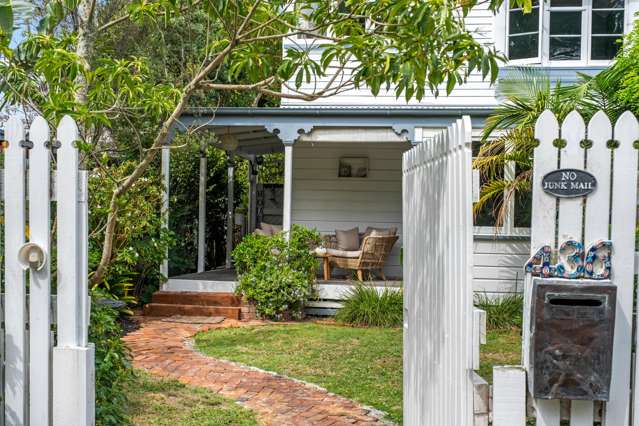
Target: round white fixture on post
[(31, 255)]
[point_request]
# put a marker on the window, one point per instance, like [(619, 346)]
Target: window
[(557, 31)]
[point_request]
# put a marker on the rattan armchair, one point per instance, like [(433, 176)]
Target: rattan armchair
[(374, 252)]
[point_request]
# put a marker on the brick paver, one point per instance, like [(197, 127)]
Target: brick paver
[(165, 349)]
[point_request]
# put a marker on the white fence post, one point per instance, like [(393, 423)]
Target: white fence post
[(438, 322), (15, 280), (40, 281), (73, 363)]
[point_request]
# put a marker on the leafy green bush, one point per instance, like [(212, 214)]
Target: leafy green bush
[(501, 312), (112, 366), (277, 275), (365, 306)]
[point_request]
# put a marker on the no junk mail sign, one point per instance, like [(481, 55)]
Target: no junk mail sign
[(569, 183)]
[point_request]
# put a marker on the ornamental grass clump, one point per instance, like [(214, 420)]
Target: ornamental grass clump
[(275, 274), (366, 306), (501, 312)]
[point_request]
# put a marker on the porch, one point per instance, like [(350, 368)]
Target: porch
[(314, 142), (222, 280)]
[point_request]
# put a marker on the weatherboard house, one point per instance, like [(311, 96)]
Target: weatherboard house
[(560, 37)]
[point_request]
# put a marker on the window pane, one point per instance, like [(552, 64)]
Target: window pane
[(565, 48), (605, 47), (565, 3), (524, 23), (607, 4), (607, 22), (565, 23), (524, 46)]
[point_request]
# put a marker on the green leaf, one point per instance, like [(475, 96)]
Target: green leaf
[(6, 17)]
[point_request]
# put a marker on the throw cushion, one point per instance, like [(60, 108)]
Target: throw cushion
[(380, 231), (352, 254), (276, 229), (348, 239)]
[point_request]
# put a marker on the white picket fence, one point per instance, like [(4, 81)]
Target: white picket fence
[(48, 377), (439, 343), (609, 214)]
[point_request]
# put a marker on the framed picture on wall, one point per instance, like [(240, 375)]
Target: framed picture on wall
[(353, 167)]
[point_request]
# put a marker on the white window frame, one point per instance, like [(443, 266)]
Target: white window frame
[(542, 58)]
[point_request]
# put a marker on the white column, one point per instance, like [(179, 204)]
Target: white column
[(252, 196), (288, 185), (230, 209), (166, 162), (201, 224)]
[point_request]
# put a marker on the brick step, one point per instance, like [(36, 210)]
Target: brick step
[(196, 298), (169, 309)]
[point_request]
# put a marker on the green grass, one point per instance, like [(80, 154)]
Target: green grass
[(160, 402), (503, 347), (364, 364)]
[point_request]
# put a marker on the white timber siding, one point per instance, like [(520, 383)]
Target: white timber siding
[(325, 202), (476, 91), (499, 264)]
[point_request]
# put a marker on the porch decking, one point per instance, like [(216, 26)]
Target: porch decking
[(330, 292)]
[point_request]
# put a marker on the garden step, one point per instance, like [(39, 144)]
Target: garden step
[(170, 309), (196, 298)]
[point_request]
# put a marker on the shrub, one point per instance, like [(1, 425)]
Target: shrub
[(112, 367), (365, 306), (501, 312), (275, 274)]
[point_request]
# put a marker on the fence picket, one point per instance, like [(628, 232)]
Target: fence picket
[(15, 279), (542, 232), (39, 281), (622, 231)]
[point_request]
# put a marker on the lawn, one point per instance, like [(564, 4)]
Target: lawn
[(364, 364), (160, 402)]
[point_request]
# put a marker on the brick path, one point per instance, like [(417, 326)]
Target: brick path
[(164, 349)]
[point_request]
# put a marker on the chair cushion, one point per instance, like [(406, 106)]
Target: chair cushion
[(348, 239), (351, 254), (261, 232), (381, 232), (276, 229)]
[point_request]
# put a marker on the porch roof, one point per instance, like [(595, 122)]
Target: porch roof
[(265, 130)]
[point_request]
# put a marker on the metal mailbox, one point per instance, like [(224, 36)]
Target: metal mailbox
[(572, 330)]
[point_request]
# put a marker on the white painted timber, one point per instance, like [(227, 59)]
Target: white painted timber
[(39, 281), (438, 320), (201, 218), (622, 231), (16, 357), (69, 292), (542, 233), (509, 396), (573, 131), (166, 181), (74, 386), (288, 187)]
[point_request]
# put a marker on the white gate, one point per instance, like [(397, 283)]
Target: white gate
[(609, 213), (439, 353), (48, 377)]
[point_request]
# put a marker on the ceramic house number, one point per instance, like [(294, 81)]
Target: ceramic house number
[(572, 261), (568, 183)]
